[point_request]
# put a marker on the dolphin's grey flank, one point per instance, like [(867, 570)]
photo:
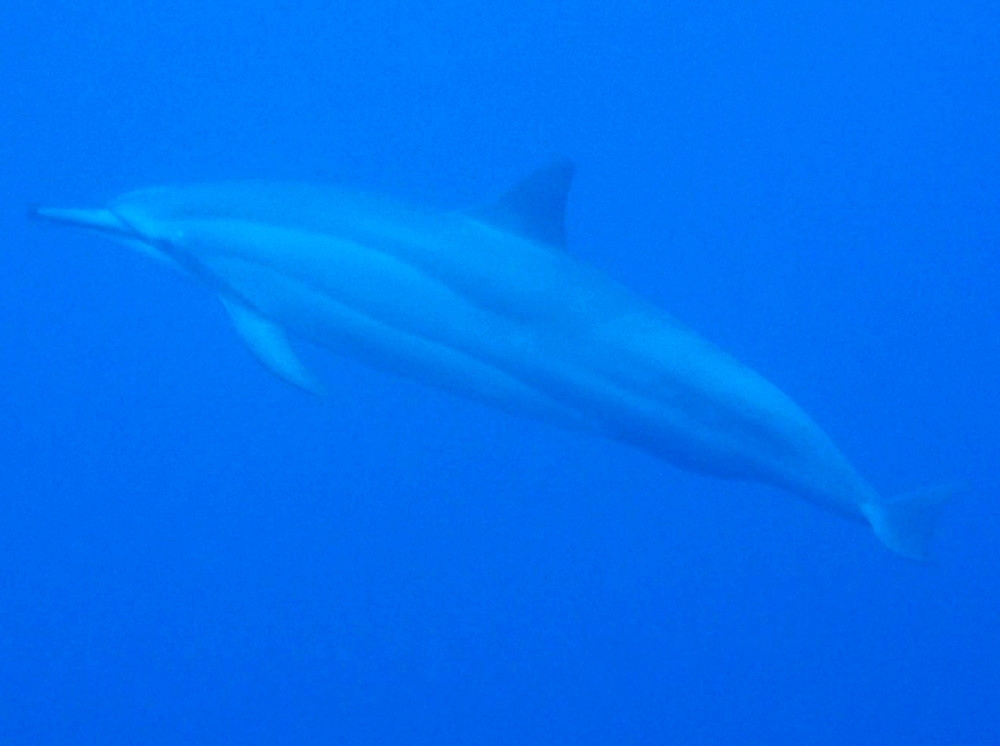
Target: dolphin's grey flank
[(489, 304)]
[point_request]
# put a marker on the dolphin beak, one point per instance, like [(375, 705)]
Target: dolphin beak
[(102, 221)]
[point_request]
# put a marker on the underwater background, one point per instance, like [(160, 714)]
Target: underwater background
[(195, 553)]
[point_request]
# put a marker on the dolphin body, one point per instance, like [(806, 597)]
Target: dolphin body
[(489, 304)]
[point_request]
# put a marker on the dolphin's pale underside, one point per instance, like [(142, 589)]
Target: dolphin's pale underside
[(489, 304)]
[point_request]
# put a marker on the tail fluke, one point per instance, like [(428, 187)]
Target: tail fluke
[(905, 524)]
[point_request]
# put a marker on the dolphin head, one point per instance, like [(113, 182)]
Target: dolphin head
[(143, 220)]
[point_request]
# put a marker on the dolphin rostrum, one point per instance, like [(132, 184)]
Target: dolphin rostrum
[(488, 303)]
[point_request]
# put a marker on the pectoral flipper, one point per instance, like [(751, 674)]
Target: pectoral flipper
[(268, 342)]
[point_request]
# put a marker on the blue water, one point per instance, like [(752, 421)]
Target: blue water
[(195, 553)]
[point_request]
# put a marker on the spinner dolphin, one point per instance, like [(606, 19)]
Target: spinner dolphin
[(489, 304)]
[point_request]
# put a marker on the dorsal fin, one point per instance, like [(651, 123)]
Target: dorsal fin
[(535, 207)]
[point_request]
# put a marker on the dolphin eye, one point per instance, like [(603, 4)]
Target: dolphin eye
[(172, 241), (168, 243)]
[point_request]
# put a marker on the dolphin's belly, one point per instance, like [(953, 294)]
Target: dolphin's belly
[(327, 322)]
